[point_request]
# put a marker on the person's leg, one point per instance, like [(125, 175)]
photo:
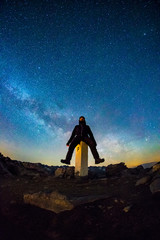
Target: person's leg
[(92, 146), (71, 148), (94, 151)]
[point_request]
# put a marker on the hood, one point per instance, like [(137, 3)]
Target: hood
[(82, 122)]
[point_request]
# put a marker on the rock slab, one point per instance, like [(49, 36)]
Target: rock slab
[(53, 201)]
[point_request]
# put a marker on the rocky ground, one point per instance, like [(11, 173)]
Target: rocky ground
[(122, 204)]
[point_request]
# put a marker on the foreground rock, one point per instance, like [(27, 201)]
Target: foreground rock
[(155, 168), (155, 180), (53, 201), (143, 180), (3, 166), (57, 202), (155, 187), (67, 172), (115, 169)]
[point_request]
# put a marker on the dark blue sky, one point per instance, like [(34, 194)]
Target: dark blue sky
[(63, 59)]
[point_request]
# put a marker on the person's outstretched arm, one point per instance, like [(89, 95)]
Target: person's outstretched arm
[(71, 138)]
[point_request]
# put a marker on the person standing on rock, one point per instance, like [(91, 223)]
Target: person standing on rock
[(82, 132)]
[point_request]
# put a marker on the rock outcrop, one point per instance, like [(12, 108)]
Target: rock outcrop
[(58, 202), (17, 168), (115, 169)]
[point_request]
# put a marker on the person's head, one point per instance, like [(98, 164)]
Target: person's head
[(82, 120)]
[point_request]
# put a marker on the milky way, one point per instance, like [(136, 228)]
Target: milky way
[(63, 59)]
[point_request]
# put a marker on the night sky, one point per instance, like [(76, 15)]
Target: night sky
[(60, 59)]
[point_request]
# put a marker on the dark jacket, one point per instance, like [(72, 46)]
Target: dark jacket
[(82, 131)]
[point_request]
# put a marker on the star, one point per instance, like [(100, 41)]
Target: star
[(61, 60)]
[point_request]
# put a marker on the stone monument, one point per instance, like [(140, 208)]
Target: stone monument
[(81, 160)]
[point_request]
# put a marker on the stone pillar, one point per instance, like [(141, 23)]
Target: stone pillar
[(81, 161)]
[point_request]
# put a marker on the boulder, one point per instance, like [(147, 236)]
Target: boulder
[(139, 170), (155, 168), (115, 169), (3, 168), (143, 180), (60, 172), (53, 201), (14, 167), (155, 187), (69, 172), (155, 175), (10, 167)]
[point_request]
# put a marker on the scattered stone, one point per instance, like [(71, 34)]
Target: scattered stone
[(127, 209), (36, 176), (100, 206), (143, 180), (109, 207)]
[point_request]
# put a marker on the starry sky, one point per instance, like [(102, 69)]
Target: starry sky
[(60, 59)]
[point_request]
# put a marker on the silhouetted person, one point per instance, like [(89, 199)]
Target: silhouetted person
[(82, 132)]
